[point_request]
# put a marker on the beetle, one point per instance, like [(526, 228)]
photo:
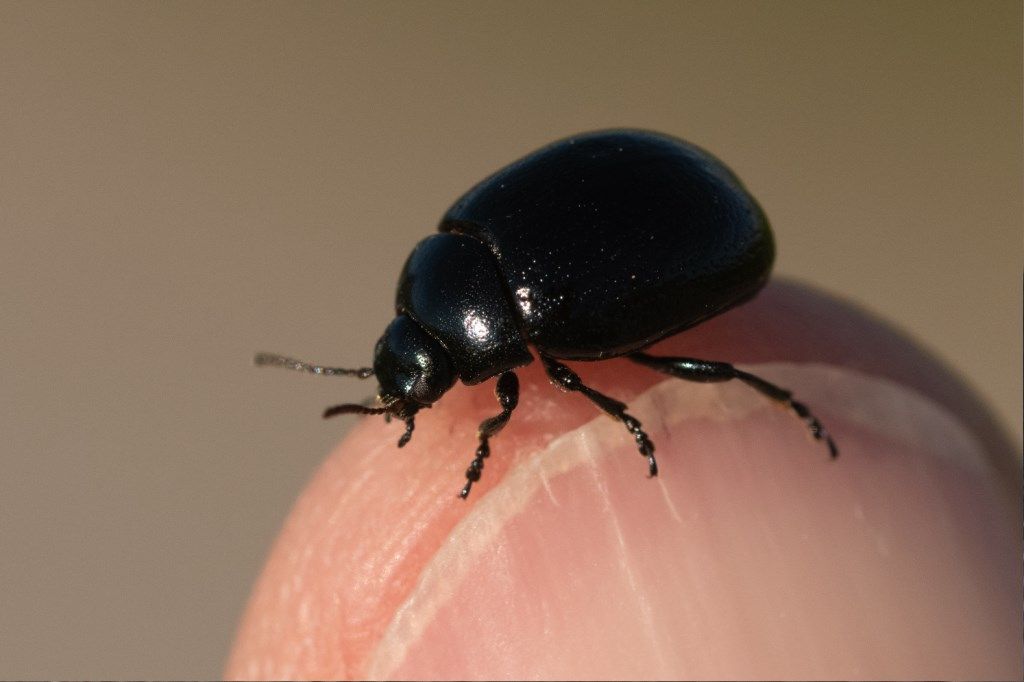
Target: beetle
[(593, 247)]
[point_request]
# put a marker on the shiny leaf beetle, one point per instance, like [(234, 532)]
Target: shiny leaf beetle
[(593, 247)]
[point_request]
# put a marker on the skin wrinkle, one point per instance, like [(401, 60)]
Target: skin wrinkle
[(480, 530), (625, 561)]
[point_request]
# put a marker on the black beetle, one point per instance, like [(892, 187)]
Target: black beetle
[(593, 247)]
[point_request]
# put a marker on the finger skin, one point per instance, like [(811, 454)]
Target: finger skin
[(750, 556)]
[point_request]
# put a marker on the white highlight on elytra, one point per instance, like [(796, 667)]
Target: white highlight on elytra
[(865, 400)]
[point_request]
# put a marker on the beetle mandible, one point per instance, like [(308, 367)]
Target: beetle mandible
[(593, 247)]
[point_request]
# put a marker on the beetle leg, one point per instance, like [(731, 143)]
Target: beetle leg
[(407, 436), (570, 381), (705, 371), (507, 390)]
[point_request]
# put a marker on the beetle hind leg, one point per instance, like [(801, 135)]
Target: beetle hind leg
[(507, 390), (570, 381), (705, 371)]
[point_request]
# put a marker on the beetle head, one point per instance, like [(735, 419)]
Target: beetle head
[(413, 369)]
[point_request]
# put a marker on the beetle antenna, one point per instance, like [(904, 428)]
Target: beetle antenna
[(352, 408), (275, 360)]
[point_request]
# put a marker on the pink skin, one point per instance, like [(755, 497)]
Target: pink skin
[(750, 556)]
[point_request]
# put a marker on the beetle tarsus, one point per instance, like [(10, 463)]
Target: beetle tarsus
[(507, 391), (804, 413), (570, 381), (705, 371), (407, 436)]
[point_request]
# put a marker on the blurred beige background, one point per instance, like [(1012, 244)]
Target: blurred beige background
[(184, 184)]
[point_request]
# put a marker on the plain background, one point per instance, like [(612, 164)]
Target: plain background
[(184, 184)]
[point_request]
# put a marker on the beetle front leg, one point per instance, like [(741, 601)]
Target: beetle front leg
[(570, 381), (705, 371), (410, 424), (507, 390)]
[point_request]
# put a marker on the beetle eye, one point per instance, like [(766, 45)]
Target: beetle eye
[(410, 365), (419, 388)]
